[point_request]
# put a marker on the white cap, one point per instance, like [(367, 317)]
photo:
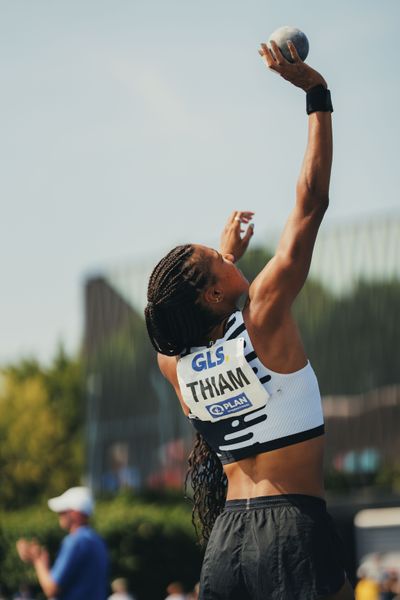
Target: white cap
[(76, 498)]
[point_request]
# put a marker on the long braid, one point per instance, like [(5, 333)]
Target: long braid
[(209, 484), (176, 321)]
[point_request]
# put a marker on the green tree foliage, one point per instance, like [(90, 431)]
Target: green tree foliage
[(355, 347), (41, 421)]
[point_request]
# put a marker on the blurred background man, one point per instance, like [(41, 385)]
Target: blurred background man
[(80, 571)]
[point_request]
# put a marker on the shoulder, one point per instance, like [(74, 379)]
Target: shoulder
[(68, 542), (96, 537), (167, 365), (86, 537)]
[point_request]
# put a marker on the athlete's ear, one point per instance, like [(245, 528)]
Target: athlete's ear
[(213, 295)]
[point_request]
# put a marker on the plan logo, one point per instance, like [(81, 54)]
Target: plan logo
[(229, 407)]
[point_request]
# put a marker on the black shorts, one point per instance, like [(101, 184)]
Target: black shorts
[(273, 548)]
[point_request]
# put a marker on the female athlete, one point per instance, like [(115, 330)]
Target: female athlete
[(244, 382)]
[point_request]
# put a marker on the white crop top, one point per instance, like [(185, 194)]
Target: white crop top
[(291, 412)]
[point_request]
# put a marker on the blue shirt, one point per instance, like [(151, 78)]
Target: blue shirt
[(81, 567)]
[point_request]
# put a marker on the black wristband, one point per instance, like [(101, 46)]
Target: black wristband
[(318, 99)]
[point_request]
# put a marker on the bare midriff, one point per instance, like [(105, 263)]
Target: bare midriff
[(296, 469)]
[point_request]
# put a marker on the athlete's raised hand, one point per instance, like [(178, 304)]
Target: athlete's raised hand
[(297, 72), (232, 241)]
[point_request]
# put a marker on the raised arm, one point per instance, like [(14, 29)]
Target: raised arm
[(283, 277)]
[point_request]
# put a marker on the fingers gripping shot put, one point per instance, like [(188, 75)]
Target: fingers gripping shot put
[(245, 384), (286, 34)]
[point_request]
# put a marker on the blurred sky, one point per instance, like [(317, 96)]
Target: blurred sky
[(128, 126)]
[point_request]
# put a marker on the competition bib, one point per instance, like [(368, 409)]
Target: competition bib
[(218, 383)]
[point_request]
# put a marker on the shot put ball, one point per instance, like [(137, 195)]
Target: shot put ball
[(282, 35)]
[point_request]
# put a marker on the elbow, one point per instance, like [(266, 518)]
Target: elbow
[(313, 202), (322, 203)]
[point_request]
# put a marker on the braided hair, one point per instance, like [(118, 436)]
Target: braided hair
[(176, 320), (175, 317), (209, 484)]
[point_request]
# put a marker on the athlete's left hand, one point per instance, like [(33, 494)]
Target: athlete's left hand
[(232, 241)]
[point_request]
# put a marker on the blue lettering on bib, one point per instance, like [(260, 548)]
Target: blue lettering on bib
[(206, 360)]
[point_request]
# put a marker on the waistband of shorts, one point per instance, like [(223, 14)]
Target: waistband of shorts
[(301, 500)]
